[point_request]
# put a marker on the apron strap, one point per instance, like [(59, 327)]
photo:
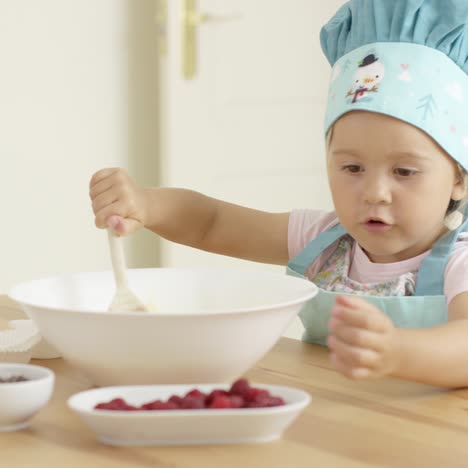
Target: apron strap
[(301, 263), (431, 274)]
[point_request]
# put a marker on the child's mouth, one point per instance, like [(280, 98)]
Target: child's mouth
[(376, 225)]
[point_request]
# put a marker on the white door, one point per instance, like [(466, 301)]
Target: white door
[(247, 128)]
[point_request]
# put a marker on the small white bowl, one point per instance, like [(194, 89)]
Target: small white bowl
[(185, 427), (20, 401)]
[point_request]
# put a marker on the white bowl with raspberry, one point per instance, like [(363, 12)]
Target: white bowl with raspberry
[(210, 324), (158, 415), (24, 390)]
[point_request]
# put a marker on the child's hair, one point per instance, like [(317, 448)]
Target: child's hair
[(454, 205)]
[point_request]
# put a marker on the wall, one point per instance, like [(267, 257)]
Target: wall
[(77, 93)]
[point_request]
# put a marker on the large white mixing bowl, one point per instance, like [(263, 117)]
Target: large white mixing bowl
[(210, 324)]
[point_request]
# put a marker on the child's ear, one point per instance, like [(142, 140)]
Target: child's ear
[(461, 185)]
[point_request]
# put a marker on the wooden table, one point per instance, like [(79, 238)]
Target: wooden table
[(385, 423)]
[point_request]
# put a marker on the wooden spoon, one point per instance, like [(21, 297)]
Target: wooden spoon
[(124, 298)]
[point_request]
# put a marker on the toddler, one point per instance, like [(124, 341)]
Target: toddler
[(391, 260)]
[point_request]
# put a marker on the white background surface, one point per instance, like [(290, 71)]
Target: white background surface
[(78, 92)]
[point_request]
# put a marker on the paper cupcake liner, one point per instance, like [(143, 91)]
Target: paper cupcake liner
[(21, 336)]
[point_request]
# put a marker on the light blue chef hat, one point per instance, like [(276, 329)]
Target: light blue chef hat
[(403, 58)]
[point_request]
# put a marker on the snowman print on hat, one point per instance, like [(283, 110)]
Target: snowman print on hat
[(367, 79)]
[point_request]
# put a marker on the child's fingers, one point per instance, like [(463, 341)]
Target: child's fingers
[(115, 222), (117, 208), (352, 355), (122, 226), (102, 174), (367, 317), (358, 337), (354, 302), (101, 187), (110, 179), (101, 201), (355, 373)]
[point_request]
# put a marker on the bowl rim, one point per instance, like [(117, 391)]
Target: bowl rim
[(305, 296), (47, 374), (304, 400)]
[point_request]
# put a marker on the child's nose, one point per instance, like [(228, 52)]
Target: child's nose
[(377, 190)]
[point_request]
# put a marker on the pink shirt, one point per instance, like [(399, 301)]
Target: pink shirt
[(305, 225)]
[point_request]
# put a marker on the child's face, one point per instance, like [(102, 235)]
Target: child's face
[(381, 168)]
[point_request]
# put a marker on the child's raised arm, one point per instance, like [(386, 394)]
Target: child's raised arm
[(189, 218)]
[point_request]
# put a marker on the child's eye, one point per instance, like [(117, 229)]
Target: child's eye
[(352, 168), (405, 172)]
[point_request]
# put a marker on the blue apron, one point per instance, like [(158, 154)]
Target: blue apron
[(427, 308)]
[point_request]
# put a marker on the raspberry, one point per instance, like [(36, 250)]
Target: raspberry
[(190, 402), (266, 402), (159, 405), (130, 408), (239, 387), (221, 402), (117, 404), (227, 401), (176, 399), (195, 393), (237, 401), (211, 396), (171, 405), (253, 394), (149, 405), (240, 395), (275, 401), (103, 406)]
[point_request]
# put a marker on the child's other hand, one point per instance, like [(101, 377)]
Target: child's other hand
[(362, 339), (118, 202)]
